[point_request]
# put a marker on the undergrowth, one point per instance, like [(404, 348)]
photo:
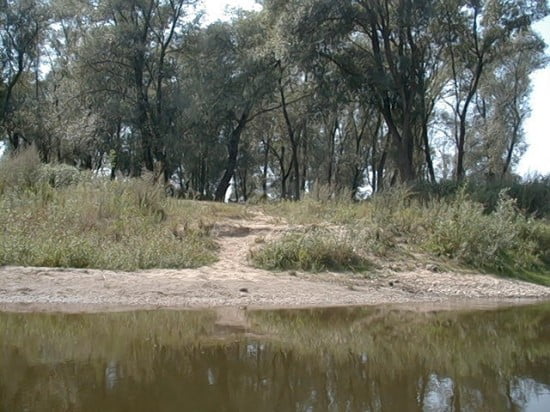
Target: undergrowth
[(312, 250), (51, 216), (107, 225), (398, 225)]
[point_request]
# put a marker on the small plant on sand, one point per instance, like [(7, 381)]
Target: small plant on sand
[(313, 250)]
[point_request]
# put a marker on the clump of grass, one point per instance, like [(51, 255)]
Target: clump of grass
[(315, 251), (20, 171)]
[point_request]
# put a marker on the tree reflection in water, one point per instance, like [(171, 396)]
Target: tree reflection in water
[(346, 359)]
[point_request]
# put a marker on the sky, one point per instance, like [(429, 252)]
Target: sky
[(215, 8), (537, 127)]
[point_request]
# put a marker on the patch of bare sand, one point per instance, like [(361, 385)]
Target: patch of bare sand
[(231, 282)]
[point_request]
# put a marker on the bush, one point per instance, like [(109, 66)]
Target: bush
[(498, 241), (20, 171), (315, 250), (532, 196), (58, 175)]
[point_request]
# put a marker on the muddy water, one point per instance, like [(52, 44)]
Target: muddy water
[(346, 359)]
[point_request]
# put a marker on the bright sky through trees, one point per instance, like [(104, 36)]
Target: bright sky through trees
[(537, 127), (215, 9)]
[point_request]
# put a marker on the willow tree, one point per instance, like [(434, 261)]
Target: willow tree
[(474, 34), (231, 79), (502, 106), (383, 51), (22, 22)]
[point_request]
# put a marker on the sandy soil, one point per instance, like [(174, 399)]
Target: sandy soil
[(232, 282)]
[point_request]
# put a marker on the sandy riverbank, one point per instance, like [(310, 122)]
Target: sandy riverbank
[(232, 282)]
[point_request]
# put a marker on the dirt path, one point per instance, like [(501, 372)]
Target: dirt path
[(232, 282)]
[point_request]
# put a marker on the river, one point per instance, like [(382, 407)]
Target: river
[(334, 359)]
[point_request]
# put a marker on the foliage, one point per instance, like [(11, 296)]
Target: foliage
[(498, 241), (532, 196), (59, 175), (101, 224), (345, 95), (20, 172), (23, 171), (313, 250), (398, 225)]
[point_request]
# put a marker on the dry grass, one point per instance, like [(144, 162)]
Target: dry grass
[(89, 222), (54, 216), (310, 250), (396, 226)]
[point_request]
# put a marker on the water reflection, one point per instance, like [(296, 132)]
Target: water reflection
[(348, 359)]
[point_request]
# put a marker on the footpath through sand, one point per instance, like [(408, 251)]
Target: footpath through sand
[(232, 282)]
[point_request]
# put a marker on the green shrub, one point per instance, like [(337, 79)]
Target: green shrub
[(532, 196), (461, 230), (315, 250), (539, 233), (58, 175)]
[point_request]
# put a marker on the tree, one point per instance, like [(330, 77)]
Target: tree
[(504, 96), (21, 24), (474, 33), (234, 80), (382, 50)]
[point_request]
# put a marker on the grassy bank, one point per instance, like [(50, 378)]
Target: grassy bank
[(401, 226), (56, 216)]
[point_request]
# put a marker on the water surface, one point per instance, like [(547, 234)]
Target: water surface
[(346, 359)]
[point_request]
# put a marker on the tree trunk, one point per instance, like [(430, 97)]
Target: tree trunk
[(284, 176), (511, 148), (460, 173), (304, 159), (232, 154), (461, 142), (427, 152), (294, 144)]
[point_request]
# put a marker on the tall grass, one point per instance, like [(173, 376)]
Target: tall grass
[(532, 196), (399, 225), (95, 223), (52, 215), (499, 241), (20, 172), (109, 225)]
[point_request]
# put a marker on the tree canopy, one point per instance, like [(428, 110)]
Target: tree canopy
[(344, 94)]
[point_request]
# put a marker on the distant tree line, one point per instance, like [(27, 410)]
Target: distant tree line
[(347, 94)]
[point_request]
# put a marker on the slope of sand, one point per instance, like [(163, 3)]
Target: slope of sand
[(232, 282)]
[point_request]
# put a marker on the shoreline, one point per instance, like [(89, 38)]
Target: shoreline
[(412, 306), (233, 282), (30, 289)]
